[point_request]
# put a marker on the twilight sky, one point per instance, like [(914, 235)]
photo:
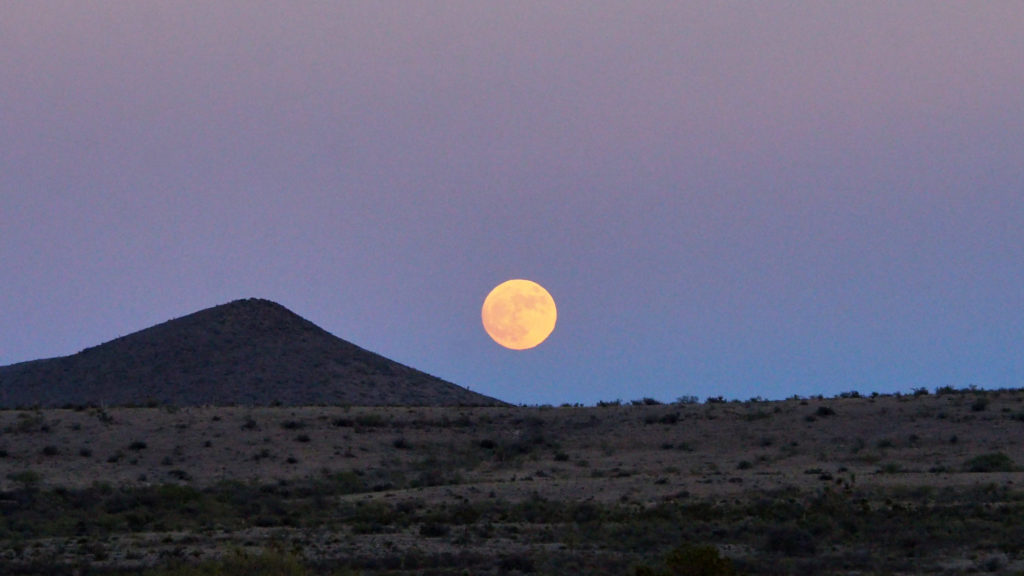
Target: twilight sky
[(724, 198)]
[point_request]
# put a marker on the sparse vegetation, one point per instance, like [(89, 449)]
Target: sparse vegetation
[(992, 462), (572, 490)]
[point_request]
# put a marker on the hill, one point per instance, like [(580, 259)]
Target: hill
[(246, 352)]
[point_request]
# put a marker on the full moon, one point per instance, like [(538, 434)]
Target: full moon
[(519, 314)]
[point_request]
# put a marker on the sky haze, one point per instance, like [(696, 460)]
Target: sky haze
[(727, 198)]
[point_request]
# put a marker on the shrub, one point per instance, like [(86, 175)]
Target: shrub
[(179, 474), (691, 560), (434, 530), (825, 411), (137, 445), (992, 462), (891, 468), (50, 450), (520, 562), (371, 421), (240, 564), (27, 478), (669, 418), (757, 415), (791, 541), (979, 404)]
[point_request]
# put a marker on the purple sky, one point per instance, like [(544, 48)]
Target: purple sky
[(724, 198)]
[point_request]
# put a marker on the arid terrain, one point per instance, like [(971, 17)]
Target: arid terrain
[(918, 483)]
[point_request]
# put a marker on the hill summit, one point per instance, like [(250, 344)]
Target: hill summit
[(246, 352)]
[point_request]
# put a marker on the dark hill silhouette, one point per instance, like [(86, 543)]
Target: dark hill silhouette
[(246, 352)]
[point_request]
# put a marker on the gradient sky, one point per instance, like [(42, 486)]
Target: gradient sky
[(724, 198)]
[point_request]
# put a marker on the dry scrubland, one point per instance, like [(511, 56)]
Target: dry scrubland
[(920, 483)]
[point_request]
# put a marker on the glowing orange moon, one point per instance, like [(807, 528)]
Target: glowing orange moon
[(519, 314)]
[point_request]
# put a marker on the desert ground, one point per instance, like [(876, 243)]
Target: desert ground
[(923, 483)]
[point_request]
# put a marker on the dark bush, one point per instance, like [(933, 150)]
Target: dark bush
[(371, 421), (434, 530), (669, 418), (791, 541), (992, 462), (691, 561), (517, 562)]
